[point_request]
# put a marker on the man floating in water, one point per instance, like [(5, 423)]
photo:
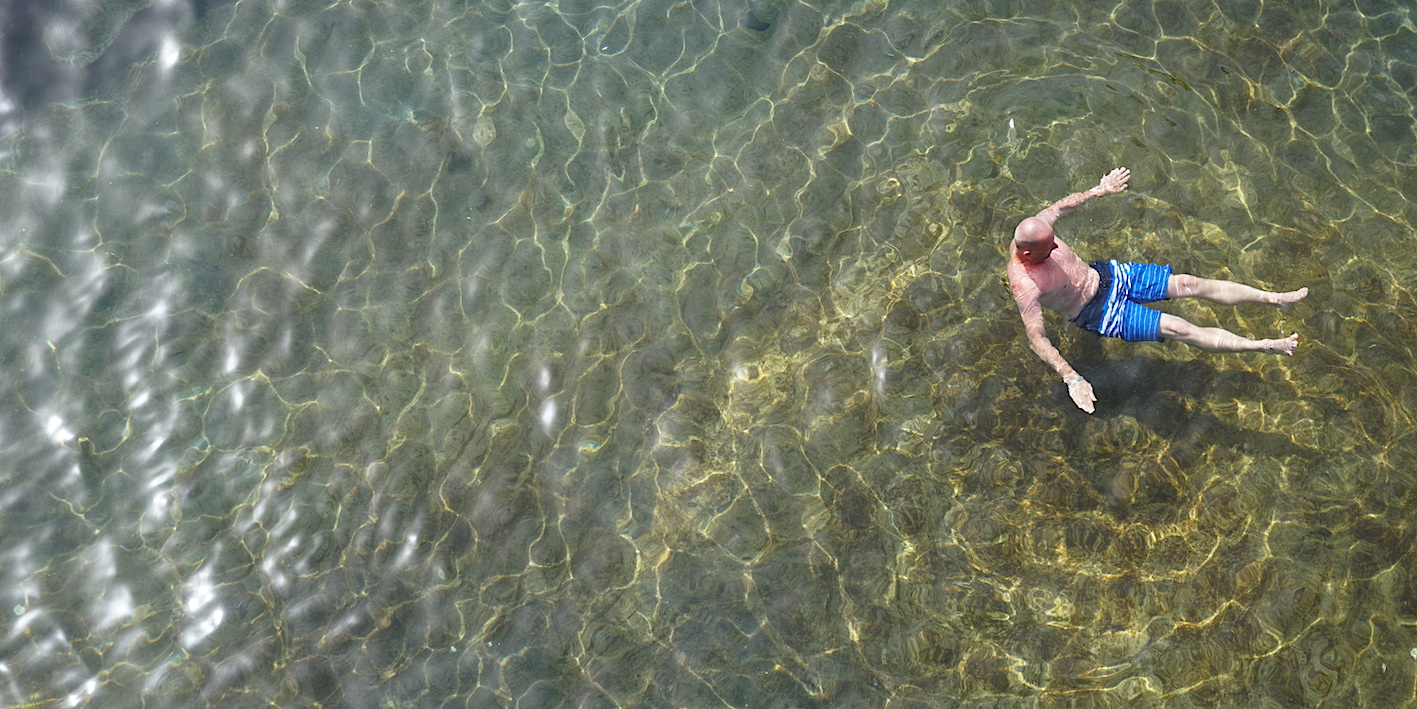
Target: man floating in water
[(1106, 297)]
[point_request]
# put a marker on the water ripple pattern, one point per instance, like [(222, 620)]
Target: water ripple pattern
[(656, 354)]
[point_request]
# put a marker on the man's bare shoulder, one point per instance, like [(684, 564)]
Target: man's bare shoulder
[(1021, 282)]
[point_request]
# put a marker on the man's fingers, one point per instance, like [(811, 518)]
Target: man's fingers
[(1083, 396), (1116, 180)]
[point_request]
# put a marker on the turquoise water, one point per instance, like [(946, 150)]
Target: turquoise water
[(658, 354)]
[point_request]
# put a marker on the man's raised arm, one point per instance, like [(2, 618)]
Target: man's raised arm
[(1112, 183)]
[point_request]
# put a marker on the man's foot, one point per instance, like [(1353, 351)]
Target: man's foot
[(1284, 346), (1286, 301)]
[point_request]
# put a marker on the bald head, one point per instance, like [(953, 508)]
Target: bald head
[(1032, 232), (1033, 240)]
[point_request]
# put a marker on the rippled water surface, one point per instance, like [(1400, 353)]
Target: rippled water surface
[(410, 354)]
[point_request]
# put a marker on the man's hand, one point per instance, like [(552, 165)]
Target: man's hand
[(1081, 391), (1114, 182)]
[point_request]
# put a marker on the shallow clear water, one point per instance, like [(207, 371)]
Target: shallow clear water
[(658, 354)]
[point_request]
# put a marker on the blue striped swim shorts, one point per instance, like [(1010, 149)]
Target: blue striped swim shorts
[(1116, 310)]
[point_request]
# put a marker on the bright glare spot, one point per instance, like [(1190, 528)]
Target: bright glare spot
[(82, 693), (201, 592), (56, 430), (117, 607), (405, 555), (548, 415), (157, 514), (206, 627), (168, 53), (544, 378)]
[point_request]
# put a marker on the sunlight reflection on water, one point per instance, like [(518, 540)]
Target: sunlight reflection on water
[(658, 355)]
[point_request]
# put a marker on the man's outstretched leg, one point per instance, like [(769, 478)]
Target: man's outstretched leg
[(1184, 285), (1214, 339)]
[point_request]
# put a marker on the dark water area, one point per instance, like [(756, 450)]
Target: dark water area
[(461, 354)]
